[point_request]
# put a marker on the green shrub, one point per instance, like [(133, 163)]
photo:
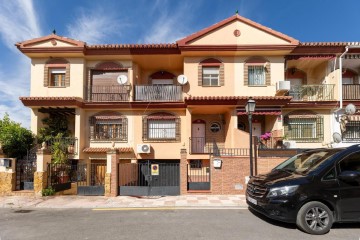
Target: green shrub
[(48, 191)]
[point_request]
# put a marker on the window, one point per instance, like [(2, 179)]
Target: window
[(256, 75), (210, 76), (108, 128), (57, 77), (304, 128), (215, 127), (352, 131), (257, 72), (351, 163), (211, 73), (161, 127)]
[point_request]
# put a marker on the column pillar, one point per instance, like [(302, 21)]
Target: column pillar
[(43, 158), (7, 176), (183, 171), (112, 172)]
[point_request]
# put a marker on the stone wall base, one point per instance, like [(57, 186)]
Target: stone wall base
[(40, 182), (7, 183), (108, 184)]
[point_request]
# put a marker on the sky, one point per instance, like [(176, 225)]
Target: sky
[(151, 21)]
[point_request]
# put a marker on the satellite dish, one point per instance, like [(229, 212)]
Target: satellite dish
[(337, 137), (122, 79), (350, 109), (182, 79)]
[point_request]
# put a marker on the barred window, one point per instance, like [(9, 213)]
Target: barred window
[(108, 128), (256, 75), (161, 127), (304, 128), (352, 131)]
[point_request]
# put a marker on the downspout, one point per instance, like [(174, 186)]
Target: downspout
[(341, 80)]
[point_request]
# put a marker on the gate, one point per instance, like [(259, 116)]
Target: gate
[(91, 179), (198, 177), (149, 178), (25, 169), (59, 176)]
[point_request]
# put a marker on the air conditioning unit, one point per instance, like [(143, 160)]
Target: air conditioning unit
[(283, 85), (143, 148), (289, 144)]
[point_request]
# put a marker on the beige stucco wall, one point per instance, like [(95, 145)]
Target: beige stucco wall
[(249, 35), (77, 79)]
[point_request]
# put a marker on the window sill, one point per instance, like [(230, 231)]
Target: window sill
[(107, 141), (56, 87), (209, 86), (257, 85)]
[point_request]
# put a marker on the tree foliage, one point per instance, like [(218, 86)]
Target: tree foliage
[(53, 126), (15, 140)]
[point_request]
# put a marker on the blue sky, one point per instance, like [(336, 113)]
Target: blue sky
[(152, 21)]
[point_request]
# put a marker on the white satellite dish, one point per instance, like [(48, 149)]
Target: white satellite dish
[(182, 79), (350, 109), (122, 79), (337, 137)]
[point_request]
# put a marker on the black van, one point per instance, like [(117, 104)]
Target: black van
[(313, 189)]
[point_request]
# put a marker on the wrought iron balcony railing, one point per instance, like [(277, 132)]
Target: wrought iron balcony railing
[(169, 93), (324, 92), (351, 91)]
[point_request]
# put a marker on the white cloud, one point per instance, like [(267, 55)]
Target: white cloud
[(168, 28), (18, 22), (95, 26)]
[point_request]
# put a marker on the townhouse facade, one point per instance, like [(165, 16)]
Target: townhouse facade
[(136, 111)]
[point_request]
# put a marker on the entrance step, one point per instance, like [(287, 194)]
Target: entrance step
[(28, 193)]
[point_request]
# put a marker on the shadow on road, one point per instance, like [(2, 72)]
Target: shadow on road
[(272, 221)]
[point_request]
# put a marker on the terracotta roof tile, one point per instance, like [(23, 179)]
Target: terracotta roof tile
[(215, 98), (128, 46), (51, 98), (104, 150), (329, 44)]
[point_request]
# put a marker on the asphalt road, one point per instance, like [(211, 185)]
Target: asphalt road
[(223, 224)]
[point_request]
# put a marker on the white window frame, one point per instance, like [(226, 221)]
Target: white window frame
[(210, 76)]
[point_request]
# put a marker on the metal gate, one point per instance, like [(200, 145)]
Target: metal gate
[(91, 179), (25, 169), (149, 178), (198, 177)]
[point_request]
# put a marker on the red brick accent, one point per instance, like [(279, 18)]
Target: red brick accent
[(183, 172), (114, 180), (265, 165)]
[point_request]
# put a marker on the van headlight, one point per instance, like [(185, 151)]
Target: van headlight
[(282, 191)]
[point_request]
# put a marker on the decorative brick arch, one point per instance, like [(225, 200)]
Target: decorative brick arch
[(57, 61), (162, 75)]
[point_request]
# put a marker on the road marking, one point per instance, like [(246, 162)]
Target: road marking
[(167, 208)]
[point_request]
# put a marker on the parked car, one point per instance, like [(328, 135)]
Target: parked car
[(313, 189)]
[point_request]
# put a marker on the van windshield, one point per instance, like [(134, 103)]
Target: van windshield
[(304, 162)]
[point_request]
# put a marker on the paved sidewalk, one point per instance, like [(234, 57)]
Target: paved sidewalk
[(184, 201)]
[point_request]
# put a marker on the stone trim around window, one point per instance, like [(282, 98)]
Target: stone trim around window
[(56, 63), (211, 62), (256, 61)]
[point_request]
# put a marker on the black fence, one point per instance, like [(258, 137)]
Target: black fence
[(60, 175), (198, 177), (25, 174)]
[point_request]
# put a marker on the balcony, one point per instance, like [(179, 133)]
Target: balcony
[(158, 93), (108, 93), (67, 144), (324, 92), (351, 91)]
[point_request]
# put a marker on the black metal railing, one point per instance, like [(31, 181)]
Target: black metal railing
[(67, 144), (198, 177), (107, 93), (351, 91), (158, 93), (232, 152), (324, 92), (60, 175), (201, 145)]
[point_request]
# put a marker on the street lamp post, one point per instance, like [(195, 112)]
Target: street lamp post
[(250, 108)]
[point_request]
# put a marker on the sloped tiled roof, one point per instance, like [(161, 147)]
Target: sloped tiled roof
[(329, 44), (126, 46)]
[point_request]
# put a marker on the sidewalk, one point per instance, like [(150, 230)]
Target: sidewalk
[(73, 201)]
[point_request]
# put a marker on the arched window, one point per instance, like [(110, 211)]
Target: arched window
[(257, 72), (161, 127), (108, 126), (211, 73), (304, 126)]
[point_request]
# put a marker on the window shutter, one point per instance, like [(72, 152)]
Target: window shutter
[(46, 76), (199, 75), (267, 74), (67, 76), (221, 75), (246, 75)]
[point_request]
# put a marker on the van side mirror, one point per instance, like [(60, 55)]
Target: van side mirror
[(349, 176)]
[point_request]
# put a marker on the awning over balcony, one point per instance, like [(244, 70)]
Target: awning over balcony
[(261, 111), (312, 57), (104, 150), (354, 118)]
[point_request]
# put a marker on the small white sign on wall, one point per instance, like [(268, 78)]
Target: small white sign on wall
[(217, 163)]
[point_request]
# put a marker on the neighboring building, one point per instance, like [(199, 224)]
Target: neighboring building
[(149, 113)]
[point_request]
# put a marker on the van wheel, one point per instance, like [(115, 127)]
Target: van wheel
[(314, 218)]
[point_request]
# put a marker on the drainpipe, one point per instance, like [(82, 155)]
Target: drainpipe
[(341, 80)]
